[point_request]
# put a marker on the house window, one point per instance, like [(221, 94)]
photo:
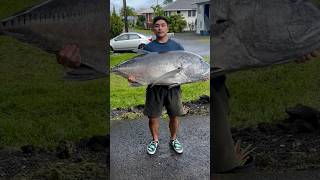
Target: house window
[(189, 13), (169, 13), (194, 13), (178, 12)]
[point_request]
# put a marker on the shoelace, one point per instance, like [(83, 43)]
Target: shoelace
[(153, 144), (176, 144)]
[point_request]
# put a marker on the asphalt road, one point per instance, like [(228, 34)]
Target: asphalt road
[(195, 46), (194, 43), (129, 158)]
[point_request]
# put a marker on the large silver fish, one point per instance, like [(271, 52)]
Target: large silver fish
[(256, 33), (54, 23), (170, 68)]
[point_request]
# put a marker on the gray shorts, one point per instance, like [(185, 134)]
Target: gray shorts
[(159, 96)]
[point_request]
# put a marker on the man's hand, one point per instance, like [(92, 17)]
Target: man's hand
[(69, 56), (309, 57), (131, 79)]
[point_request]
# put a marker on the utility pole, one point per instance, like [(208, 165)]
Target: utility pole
[(125, 16)]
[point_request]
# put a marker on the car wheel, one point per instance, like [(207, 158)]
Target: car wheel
[(111, 49), (141, 46)]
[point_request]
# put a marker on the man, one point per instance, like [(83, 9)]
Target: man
[(227, 157), (156, 96), (159, 96)]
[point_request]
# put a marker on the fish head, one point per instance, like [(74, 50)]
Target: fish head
[(252, 33), (195, 68)]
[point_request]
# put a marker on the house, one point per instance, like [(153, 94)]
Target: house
[(203, 17), (187, 8), (149, 15)]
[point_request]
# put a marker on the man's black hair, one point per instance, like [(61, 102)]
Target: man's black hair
[(157, 18)]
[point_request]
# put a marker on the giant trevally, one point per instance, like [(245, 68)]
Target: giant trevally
[(256, 33), (170, 68), (53, 23)]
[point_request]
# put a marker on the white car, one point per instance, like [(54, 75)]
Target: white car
[(129, 41)]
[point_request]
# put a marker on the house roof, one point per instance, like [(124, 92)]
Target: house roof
[(144, 11), (201, 1), (181, 5)]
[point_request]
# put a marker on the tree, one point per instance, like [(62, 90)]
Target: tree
[(140, 21), (158, 11), (116, 24), (177, 23), (167, 2), (130, 11)]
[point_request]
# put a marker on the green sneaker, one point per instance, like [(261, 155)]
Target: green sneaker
[(176, 145), (152, 147)]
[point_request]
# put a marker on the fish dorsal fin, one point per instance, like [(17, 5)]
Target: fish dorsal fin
[(167, 75)]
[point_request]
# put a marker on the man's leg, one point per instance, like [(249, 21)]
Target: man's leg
[(224, 157), (154, 128), (153, 109), (173, 126), (174, 108)]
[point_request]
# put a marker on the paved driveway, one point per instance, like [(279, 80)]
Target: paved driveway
[(129, 158), (194, 43)]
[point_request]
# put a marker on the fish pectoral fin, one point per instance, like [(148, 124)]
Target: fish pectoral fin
[(135, 84), (166, 75)]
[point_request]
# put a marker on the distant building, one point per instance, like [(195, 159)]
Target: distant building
[(203, 17), (187, 8), (148, 14)]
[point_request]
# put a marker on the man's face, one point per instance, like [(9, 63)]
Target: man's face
[(160, 28)]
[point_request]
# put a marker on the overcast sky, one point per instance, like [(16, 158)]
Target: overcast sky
[(136, 4)]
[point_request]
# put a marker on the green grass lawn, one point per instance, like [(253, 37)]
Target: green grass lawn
[(38, 107), (122, 95), (262, 95)]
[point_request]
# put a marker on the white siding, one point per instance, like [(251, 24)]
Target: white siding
[(190, 20)]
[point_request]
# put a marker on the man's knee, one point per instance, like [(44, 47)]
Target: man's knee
[(173, 118), (153, 119)]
